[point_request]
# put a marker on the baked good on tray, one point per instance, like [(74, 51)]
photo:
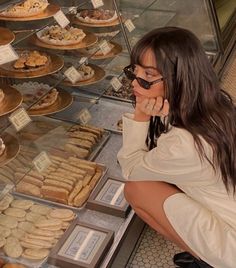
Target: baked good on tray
[(56, 35), (29, 229), (96, 16), (86, 72), (26, 8), (31, 60), (67, 180)]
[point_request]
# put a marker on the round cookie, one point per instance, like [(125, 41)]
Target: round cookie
[(61, 214), (2, 241), (22, 204), (26, 226), (15, 212), (35, 254), (18, 233), (4, 231), (13, 248), (40, 209), (8, 221)]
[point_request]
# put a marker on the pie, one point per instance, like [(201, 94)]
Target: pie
[(46, 101), (31, 60), (26, 8), (59, 36), (2, 147), (96, 16), (1, 95)]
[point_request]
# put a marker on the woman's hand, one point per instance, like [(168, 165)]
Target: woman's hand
[(147, 107)]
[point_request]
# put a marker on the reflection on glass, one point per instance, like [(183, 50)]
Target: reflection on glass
[(224, 9)]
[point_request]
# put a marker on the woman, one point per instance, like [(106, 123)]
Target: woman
[(179, 148)]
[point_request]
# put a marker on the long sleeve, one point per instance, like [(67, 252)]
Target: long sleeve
[(174, 160)]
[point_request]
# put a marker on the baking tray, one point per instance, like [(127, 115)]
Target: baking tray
[(24, 261), (52, 203)]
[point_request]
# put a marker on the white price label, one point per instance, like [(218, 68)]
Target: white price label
[(97, 3), (85, 116), (72, 74), (104, 46), (61, 19), (42, 161), (73, 10), (83, 60), (8, 54), (19, 119), (116, 84), (129, 25)]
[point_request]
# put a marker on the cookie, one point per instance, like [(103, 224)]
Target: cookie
[(33, 217), (2, 241), (37, 242), (26, 226), (61, 214), (40, 209), (48, 223), (13, 248), (15, 212), (4, 231), (18, 233), (22, 204), (8, 221), (37, 231), (35, 254)]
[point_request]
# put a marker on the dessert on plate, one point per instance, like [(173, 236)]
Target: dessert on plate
[(1, 96), (26, 8), (2, 147), (31, 60), (56, 35), (96, 16)]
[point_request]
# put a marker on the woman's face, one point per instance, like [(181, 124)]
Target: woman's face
[(148, 71)]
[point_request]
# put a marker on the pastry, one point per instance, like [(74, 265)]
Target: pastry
[(31, 60), (86, 72), (2, 147), (96, 16), (46, 101), (26, 8), (56, 35)]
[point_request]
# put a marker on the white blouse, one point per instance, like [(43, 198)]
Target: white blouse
[(176, 160)]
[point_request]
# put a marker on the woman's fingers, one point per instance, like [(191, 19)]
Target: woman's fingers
[(153, 106)]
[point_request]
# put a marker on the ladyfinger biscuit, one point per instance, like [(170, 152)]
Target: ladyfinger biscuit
[(95, 178), (54, 192), (33, 181), (28, 188), (60, 179), (73, 169), (75, 192), (82, 196), (81, 143), (80, 152), (82, 161), (87, 179), (58, 184)]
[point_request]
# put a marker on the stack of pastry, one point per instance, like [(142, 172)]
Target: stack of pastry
[(67, 181), (31, 60), (28, 229)]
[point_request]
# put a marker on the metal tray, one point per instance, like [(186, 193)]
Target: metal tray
[(52, 203), (21, 260)]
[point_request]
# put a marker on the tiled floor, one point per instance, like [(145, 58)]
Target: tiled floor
[(152, 250)]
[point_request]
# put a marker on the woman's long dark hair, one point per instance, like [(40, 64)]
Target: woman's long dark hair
[(197, 103)]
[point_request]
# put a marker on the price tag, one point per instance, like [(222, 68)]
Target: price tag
[(129, 25), (72, 74), (42, 161), (73, 10), (116, 84), (83, 60), (8, 54), (19, 119), (61, 19), (104, 46), (85, 116), (97, 3)]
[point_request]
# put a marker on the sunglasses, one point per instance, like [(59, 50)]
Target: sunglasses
[(129, 72)]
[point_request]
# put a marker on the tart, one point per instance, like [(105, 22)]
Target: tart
[(31, 60), (56, 35), (96, 16), (46, 101), (26, 8)]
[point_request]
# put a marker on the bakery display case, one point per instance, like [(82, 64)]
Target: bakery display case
[(62, 96)]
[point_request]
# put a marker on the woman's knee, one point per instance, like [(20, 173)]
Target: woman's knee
[(132, 191)]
